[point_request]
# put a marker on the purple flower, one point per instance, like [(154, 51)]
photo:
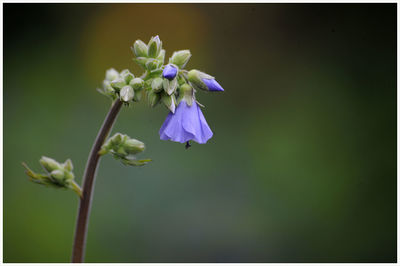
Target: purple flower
[(170, 72), (187, 123), (212, 85)]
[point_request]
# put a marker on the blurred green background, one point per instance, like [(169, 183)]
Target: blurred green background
[(302, 165)]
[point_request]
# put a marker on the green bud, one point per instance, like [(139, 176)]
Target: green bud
[(157, 84), (137, 83), (107, 88), (126, 94), (180, 58), (154, 47), (68, 165), (133, 146), (169, 102), (153, 98), (49, 164), (161, 56), (116, 139), (170, 85), (127, 76), (120, 152), (196, 79), (58, 175), (138, 95), (111, 74), (153, 64), (141, 61), (118, 84), (139, 49)]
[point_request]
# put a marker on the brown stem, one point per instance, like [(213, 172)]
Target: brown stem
[(88, 184)]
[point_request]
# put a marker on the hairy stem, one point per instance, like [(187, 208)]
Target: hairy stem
[(88, 184)]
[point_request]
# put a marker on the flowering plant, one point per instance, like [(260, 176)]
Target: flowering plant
[(171, 85)]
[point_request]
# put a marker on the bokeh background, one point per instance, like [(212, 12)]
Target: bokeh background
[(302, 165)]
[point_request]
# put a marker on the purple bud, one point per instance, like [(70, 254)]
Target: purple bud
[(213, 85), (170, 72)]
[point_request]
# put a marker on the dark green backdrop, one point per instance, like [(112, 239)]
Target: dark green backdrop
[(302, 165)]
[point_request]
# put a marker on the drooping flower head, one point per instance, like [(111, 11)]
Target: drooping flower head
[(173, 86), (187, 123)]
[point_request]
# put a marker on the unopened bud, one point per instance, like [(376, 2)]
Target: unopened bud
[(203, 81), (169, 102), (154, 47), (133, 146), (118, 84), (180, 58), (126, 94), (111, 74), (49, 164), (137, 83), (58, 175), (157, 84), (139, 49), (127, 76), (153, 98)]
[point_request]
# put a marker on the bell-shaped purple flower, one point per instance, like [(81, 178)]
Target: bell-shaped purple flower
[(170, 72), (187, 123), (212, 85)]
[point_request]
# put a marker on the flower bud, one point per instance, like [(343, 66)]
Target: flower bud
[(139, 49), (203, 81), (68, 165), (153, 98), (180, 58), (170, 71), (154, 47), (116, 139), (126, 75), (58, 175), (118, 84), (133, 146), (126, 94), (161, 56), (153, 64), (169, 102), (141, 61), (157, 84), (170, 86), (137, 83), (49, 164), (111, 74), (138, 95)]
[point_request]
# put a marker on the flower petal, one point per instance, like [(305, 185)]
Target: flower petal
[(213, 85)]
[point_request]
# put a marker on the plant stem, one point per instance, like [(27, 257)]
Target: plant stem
[(88, 184)]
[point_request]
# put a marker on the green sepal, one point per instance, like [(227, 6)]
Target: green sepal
[(153, 98), (170, 86), (169, 101)]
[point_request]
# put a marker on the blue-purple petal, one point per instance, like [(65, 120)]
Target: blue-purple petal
[(213, 85), (187, 123), (170, 72)]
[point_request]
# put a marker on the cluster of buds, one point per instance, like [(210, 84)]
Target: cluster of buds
[(124, 148), (171, 83), (123, 85), (150, 56), (58, 175)]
